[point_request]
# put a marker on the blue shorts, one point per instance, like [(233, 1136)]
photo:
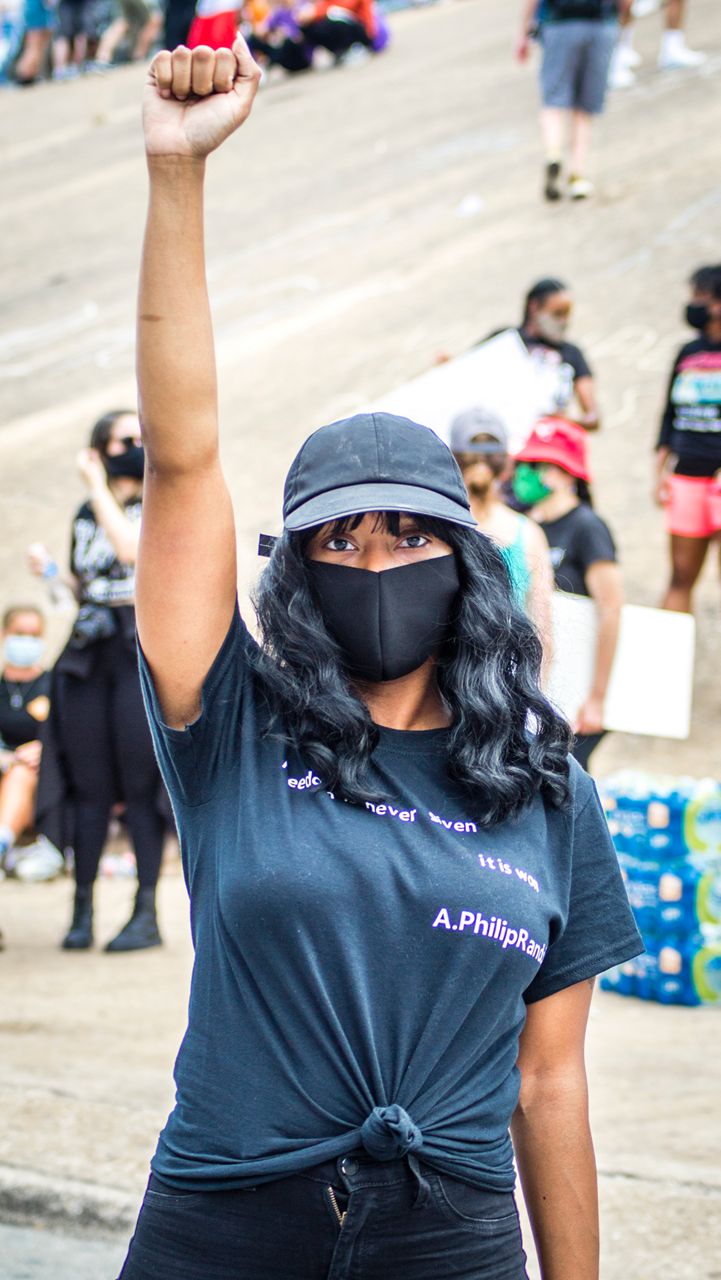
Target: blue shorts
[(576, 62), (38, 16)]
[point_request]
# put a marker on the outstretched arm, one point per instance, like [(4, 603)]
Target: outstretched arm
[(186, 578)]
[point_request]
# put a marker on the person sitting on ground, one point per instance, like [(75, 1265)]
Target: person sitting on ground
[(24, 706), (688, 451), (276, 39), (552, 479), (479, 442), (338, 28)]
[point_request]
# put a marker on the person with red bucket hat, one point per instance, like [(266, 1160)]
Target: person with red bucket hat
[(553, 477)]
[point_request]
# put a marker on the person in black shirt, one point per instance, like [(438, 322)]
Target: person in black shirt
[(24, 706), (103, 751), (552, 473), (336, 978), (547, 312), (688, 452)]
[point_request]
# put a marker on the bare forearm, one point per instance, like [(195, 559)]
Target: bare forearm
[(122, 533), (175, 354), (608, 627), (556, 1163)]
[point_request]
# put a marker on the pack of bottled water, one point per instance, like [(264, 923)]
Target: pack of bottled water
[(667, 833)]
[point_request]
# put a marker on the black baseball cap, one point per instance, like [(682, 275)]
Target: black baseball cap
[(373, 462)]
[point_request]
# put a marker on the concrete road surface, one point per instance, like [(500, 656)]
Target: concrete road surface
[(364, 221)]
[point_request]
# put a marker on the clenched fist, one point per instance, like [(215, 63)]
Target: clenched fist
[(194, 99)]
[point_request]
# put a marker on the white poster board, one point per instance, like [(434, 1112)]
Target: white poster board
[(499, 375), (651, 685)]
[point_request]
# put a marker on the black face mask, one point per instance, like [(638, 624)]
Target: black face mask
[(697, 315), (387, 624), (130, 464)]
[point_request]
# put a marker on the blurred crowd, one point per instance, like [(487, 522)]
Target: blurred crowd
[(60, 39)]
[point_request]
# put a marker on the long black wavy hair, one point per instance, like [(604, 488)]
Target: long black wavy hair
[(506, 743)]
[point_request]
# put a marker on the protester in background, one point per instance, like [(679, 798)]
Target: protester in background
[(547, 311), (673, 54), (34, 60), (276, 38), (97, 715), (215, 24), (578, 38), (139, 23), (479, 442), (179, 15), (553, 477), (78, 35), (24, 707), (688, 466)]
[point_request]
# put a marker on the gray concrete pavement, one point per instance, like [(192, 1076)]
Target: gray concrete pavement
[(32, 1253), (340, 265)]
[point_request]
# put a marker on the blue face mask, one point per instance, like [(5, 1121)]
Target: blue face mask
[(23, 651)]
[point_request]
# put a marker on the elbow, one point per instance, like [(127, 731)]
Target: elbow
[(552, 1089)]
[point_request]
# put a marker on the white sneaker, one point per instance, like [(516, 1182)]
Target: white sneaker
[(580, 188), (675, 54), (620, 76), (38, 861)]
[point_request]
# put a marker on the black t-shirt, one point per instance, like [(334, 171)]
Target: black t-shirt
[(21, 723), (579, 10), (577, 540), (352, 959), (691, 424), (102, 577)]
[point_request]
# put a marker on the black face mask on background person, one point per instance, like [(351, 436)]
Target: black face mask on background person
[(130, 464), (697, 315), (389, 623)]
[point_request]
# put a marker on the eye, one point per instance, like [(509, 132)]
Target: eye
[(415, 541), (338, 544)]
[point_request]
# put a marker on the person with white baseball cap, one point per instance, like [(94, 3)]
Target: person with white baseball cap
[(479, 441), (399, 882)]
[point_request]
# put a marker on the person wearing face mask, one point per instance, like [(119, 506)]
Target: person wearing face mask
[(390, 875), (688, 452), (547, 312), (479, 442), (24, 707), (102, 751), (552, 480)]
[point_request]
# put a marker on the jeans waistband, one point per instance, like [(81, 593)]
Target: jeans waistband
[(358, 1169)]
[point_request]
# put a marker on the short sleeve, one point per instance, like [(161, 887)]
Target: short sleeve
[(669, 412), (599, 929), (577, 360), (592, 542), (193, 760)]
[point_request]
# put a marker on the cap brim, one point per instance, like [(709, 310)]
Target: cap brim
[(354, 499)]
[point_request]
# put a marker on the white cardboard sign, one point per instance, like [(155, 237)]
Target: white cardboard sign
[(499, 375), (651, 686)]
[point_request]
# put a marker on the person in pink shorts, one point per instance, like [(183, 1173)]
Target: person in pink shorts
[(688, 472)]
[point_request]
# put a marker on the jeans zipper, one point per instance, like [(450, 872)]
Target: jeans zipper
[(340, 1216)]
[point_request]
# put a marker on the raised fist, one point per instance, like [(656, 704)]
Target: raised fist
[(194, 99)]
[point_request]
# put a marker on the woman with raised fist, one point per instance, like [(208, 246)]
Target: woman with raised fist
[(400, 886)]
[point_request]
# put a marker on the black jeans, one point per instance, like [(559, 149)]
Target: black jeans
[(351, 1219)]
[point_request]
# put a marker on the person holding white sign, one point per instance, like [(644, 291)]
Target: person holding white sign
[(552, 475)]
